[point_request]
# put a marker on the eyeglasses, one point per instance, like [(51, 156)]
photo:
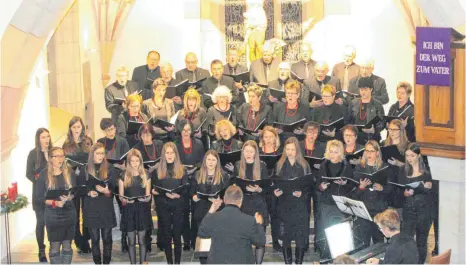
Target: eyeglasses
[(394, 129), (370, 151), (291, 93), (100, 153), (58, 156), (326, 96), (186, 131), (349, 135), (111, 129)]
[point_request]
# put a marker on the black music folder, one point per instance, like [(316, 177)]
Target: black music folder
[(351, 94), (276, 93), (313, 95), (73, 163), (391, 151), (369, 124), (92, 182), (243, 78), (118, 101), (151, 163), (243, 183), (230, 157), (388, 119), (409, 186), (290, 127), (162, 190), (161, 123), (356, 155), (133, 127), (312, 161), (379, 176), (337, 125), (255, 130), (296, 77), (289, 186), (207, 196), (133, 198), (270, 160), (120, 160), (56, 194)]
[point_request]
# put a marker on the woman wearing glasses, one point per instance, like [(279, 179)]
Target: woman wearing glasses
[(328, 113), (374, 193), (36, 162), (60, 213), (133, 113)]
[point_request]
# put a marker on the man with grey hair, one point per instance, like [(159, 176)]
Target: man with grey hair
[(380, 88), (318, 80), (191, 72), (264, 70), (284, 70), (305, 67), (232, 232), (166, 71), (348, 69)]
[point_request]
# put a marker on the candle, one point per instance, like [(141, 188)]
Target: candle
[(15, 186), (11, 194)]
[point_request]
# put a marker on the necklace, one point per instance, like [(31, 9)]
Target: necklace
[(254, 119), (154, 152), (361, 115), (289, 113), (188, 150)]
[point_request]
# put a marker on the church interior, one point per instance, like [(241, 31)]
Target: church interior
[(58, 57)]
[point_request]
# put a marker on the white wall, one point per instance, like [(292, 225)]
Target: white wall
[(7, 10)]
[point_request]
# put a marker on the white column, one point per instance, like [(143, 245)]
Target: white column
[(451, 176)]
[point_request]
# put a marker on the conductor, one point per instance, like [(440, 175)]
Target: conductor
[(232, 232)]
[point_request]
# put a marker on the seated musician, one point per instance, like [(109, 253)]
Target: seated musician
[(401, 248)]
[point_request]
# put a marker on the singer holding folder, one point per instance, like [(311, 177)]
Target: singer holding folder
[(98, 212), (404, 109), (418, 208), (362, 110), (221, 110), (329, 182), (250, 167), (60, 213), (192, 111), (292, 207), (226, 143), (253, 114), (36, 162), (208, 184), (170, 174), (134, 191), (132, 114), (373, 191)]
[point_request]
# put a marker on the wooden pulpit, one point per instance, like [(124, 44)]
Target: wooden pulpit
[(440, 110)]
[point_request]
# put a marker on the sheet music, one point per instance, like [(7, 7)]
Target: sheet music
[(358, 207)]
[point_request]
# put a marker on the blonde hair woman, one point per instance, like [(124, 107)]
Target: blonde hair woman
[(159, 107), (133, 113), (396, 136), (192, 111), (136, 218)]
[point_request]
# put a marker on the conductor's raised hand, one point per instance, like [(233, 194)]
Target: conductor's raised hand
[(215, 206)]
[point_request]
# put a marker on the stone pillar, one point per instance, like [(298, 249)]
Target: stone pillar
[(451, 176)]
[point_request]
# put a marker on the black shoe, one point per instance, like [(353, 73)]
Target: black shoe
[(124, 246), (43, 257), (85, 248), (287, 256), (299, 255), (186, 247)]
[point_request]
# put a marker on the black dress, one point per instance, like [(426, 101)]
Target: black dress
[(293, 211), (406, 111), (328, 114), (60, 222), (135, 216), (98, 212), (32, 173), (249, 119), (150, 152), (254, 202)]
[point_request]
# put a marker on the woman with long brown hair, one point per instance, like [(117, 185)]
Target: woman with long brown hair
[(98, 212), (36, 162), (250, 167), (60, 213), (396, 136), (170, 174), (136, 218), (292, 207), (76, 147), (210, 179)]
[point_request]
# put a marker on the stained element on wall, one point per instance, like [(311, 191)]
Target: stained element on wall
[(234, 26), (291, 11)]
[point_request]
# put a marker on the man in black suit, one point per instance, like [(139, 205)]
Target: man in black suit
[(232, 67), (218, 79), (145, 74), (232, 232), (305, 67), (348, 69), (318, 80), (191, 72), (402, 248), (380, 88), (116, 93), (264, 70)]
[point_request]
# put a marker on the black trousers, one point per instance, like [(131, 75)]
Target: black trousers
[(171, 225), (189, 225), (417, 222), (106, 235), (80, 238), (40, 229)]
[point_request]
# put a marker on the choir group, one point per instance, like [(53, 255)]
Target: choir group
[(290, 136)]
